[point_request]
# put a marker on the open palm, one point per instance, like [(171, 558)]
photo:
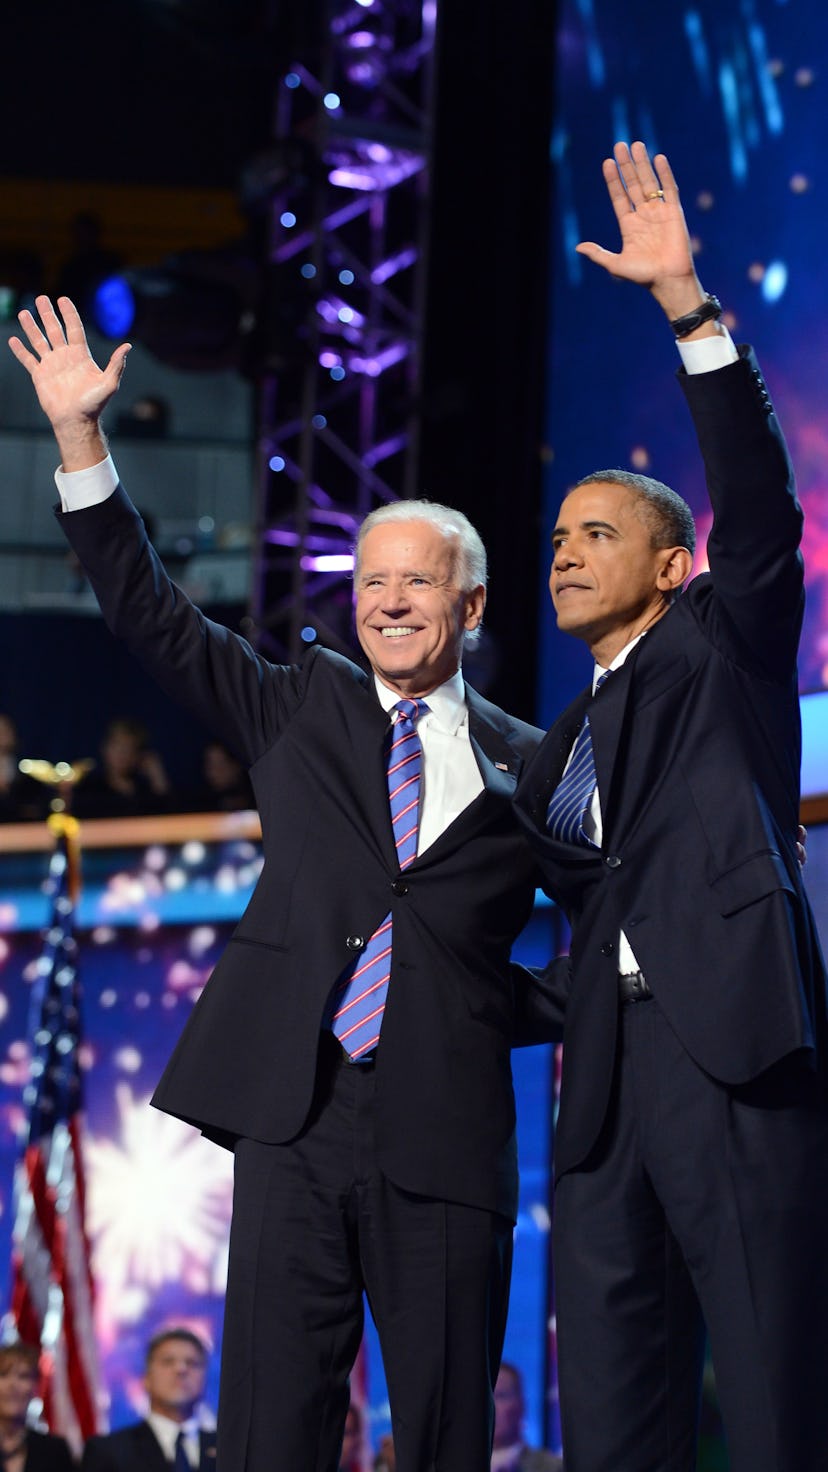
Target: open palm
[(70, 386), (654, 242)]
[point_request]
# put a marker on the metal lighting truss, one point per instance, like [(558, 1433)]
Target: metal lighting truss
[(340, 327)]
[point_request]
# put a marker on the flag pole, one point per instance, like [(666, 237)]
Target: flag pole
[(52, 1300)]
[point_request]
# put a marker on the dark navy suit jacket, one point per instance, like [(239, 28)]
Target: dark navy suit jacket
[(312, 737), (697, 750), (137, 1449)]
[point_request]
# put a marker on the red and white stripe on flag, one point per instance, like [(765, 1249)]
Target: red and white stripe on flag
[(52, 1286)]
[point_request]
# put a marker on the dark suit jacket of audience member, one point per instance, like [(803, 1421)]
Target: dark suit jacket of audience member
[(45, 1453), (136, 1449)]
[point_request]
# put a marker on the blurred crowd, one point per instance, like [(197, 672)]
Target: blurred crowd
[(127, 778), (176, 1431)]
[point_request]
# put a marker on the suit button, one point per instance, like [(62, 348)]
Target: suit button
[(608, 948), (613, 861), (399, 888), (355, 942)]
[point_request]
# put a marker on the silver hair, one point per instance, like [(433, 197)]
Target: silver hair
[(470, 567)]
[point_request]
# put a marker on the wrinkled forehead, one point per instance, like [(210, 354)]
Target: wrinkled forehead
[(407, 546)]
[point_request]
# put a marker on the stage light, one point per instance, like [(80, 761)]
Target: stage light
[(774, 281), (184, 320), (113, 307)]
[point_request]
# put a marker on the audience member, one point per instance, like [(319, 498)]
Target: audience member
[(22, 1448), (129, 780), (89, 261), (170, 1435), (147, 417), (351, 1457), (21, 798), (225, 786), (386, 1458), (510, 1452)]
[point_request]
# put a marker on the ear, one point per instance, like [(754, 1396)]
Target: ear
[(676, 565), (475, 603)]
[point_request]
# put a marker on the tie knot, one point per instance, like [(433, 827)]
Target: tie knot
[(602, 679), (411, 710)]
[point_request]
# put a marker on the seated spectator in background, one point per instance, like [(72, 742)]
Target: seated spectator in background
[(225, 786), (147, 417), (22, 1448), (89, 261), (170, 1436), (351, 1456), (510, 1452), (129, 780), (386, 1458), (21, 798)]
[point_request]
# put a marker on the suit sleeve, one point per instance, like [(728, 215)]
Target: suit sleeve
[(540, 997), (96, 1456), (212, 671), (62, 1459), (48, 1453), (753, 547)]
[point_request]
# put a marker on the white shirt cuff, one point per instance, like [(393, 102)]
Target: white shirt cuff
[(81, 488), (708, 353)]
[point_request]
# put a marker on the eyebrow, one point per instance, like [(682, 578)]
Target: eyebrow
[(596, 525), (381, 572)]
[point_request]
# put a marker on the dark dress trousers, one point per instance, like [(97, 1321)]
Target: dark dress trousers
[(691, 1153), (136, 1448), (429, 1128)]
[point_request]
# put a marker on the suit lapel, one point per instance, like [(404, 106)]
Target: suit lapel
[(607, 713), (148, 1453), (500, 764), (608, 719), (364, 726), (207, 1459), (545, 770)]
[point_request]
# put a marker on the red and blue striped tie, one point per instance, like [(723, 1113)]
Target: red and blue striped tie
[(360, 995)]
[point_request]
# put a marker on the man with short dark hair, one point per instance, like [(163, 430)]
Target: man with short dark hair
[(510, 1452), (170, 1435), (692, 1143)]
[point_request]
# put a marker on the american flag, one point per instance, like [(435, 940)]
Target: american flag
[(52, 1286)]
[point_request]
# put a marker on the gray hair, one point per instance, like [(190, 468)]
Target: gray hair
[(470, 567)]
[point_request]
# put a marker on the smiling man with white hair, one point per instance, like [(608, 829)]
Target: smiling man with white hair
[(353, 1044)]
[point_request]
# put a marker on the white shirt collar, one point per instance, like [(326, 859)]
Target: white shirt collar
[(166, 1431), (447, 704), (617, 662)]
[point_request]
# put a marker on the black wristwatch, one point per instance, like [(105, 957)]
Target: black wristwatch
[(709, 311)]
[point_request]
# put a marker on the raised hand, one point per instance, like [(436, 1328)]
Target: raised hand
[(655, 246), (71, 389)]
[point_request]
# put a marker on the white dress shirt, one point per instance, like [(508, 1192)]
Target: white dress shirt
[(451, 778), (166, 1434)]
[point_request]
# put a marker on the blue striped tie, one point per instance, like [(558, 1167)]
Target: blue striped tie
[(569, 803), (360, 996)]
